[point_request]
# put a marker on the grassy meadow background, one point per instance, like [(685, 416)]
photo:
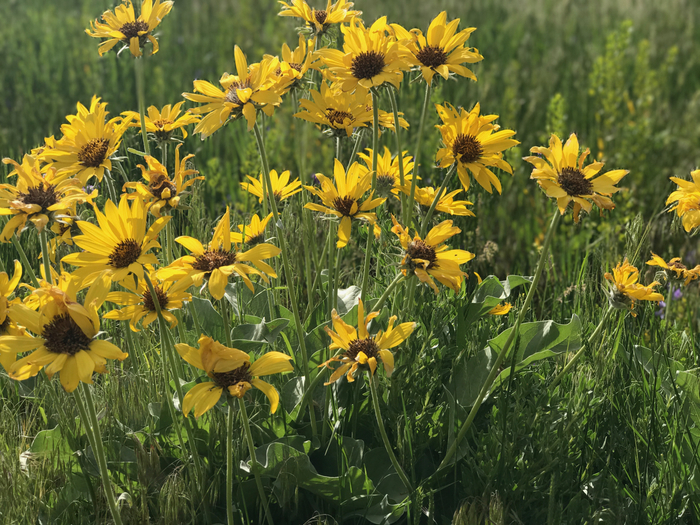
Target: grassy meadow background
[(617, 442)]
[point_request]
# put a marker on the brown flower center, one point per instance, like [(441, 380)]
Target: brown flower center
[(227, 379), (63, 336), (467, 148), (432, 56), (296, 66), (232, 95), (574, 183), (673, 265), (210, 260), (159, 184), (125, 253), (160, 124), (43, 196), (321, 16), (160, 295), (367, 64), (419, 249), (92, 154), (336, 117), (343, 205), (131, 29), (367, 346)]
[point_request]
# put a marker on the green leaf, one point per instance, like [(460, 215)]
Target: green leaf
[(469, 376), (211, 322), (347, 299)]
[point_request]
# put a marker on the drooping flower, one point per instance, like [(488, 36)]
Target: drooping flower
[(161, 192), (501, 309), (686, 200), (319, 20), (441, 51), (65, 337), (361, 350), (219, 260), (281, 187), (675, 269), (39, 198), (229, 369), (562, 176), (342, 200), (429, 257), (163, 123), (253, 233), (118, 244), (388, 176), (123, 26), (87, 144), (475, 144), (625, 289)]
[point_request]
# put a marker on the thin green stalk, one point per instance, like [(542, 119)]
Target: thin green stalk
[(45, 256), (164, 156), (229, 464), (85, 419), (226, 316), (387, 446), (416, 156), (375, 146), (355, 148), (110, 187), (289, 277), (138, 70), (380, 302), (254, 465), (496, 368), (99, 451), (438, 194), (25, 262), (332, 254), (397, 129)]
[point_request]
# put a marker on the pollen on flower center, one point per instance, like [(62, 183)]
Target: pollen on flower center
[(43, 196), (419, 249), (343, 205), (132, 29), (321, 16), (574, 183), (92, 154), (467, 148), (432, 56), (367, 64), (210, 260), (125, 253), (62, 335), (232, 95), (227, 379), (159, 184), (160, 124), (160, 295), (367, 346), (336, 117)]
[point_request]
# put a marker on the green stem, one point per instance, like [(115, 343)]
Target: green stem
[(45, 256), (254, 466), (385, 438), (397, 129), (110, 187), (226, 316), (229, 465), (438, 194), (99, 451), (398, 279), (164, 157), (25, 262), (85, 419), (288, 275), (495, 369), (416, 156), (355, 148), (138, 70), (332, 254), (370, 234)]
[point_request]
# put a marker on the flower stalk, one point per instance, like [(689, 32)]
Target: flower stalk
[(25, 261), (416, 156), (397, 129), (375, 159), (45, 256), (438, 194), (138, 70), (254, 465)]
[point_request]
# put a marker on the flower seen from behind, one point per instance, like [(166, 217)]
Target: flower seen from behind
[(254, 232), (163, 123), (446, 203), (625, 288), (282, 189), (388, 176), (319, 20), (686, 200), (675, 269)]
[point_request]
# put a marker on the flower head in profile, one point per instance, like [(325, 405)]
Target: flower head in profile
[(118, 244), (88, 142), (254, 232), (163, 123), (319, 20), (561, 175), (230, 370), (123, 26), (160, 191), (65, 336), (475, 144), (344, 199), (429, 257), (446, 203), (282, 189), (441, 51), (675, 269), (299, 60), (220, 259), (388, 175), (7, 325), (686, 200), (625, 289), (38, 198), (363, 351)]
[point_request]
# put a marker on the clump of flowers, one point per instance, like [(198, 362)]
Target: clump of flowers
[(625, 288), (675, 269), (686, 200)]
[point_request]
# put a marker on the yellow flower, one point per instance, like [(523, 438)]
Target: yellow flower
[(7, 325), (319, 20), (87, 143), (442, 52), (427, 258), (162, 192), (625, 289), (255, 87), (65, 338), (139, 303), (676, 269), (219, 260), (118, 244), (687, 200), (362, 351), (370, 57), (254, 232), (229, 369), (470, 141), (562, 176), (446, 203), (343, 199), (501, 309), (164, 122), (40, 198), (281, 187), (388, 177), (298, 60), (123, 26)]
